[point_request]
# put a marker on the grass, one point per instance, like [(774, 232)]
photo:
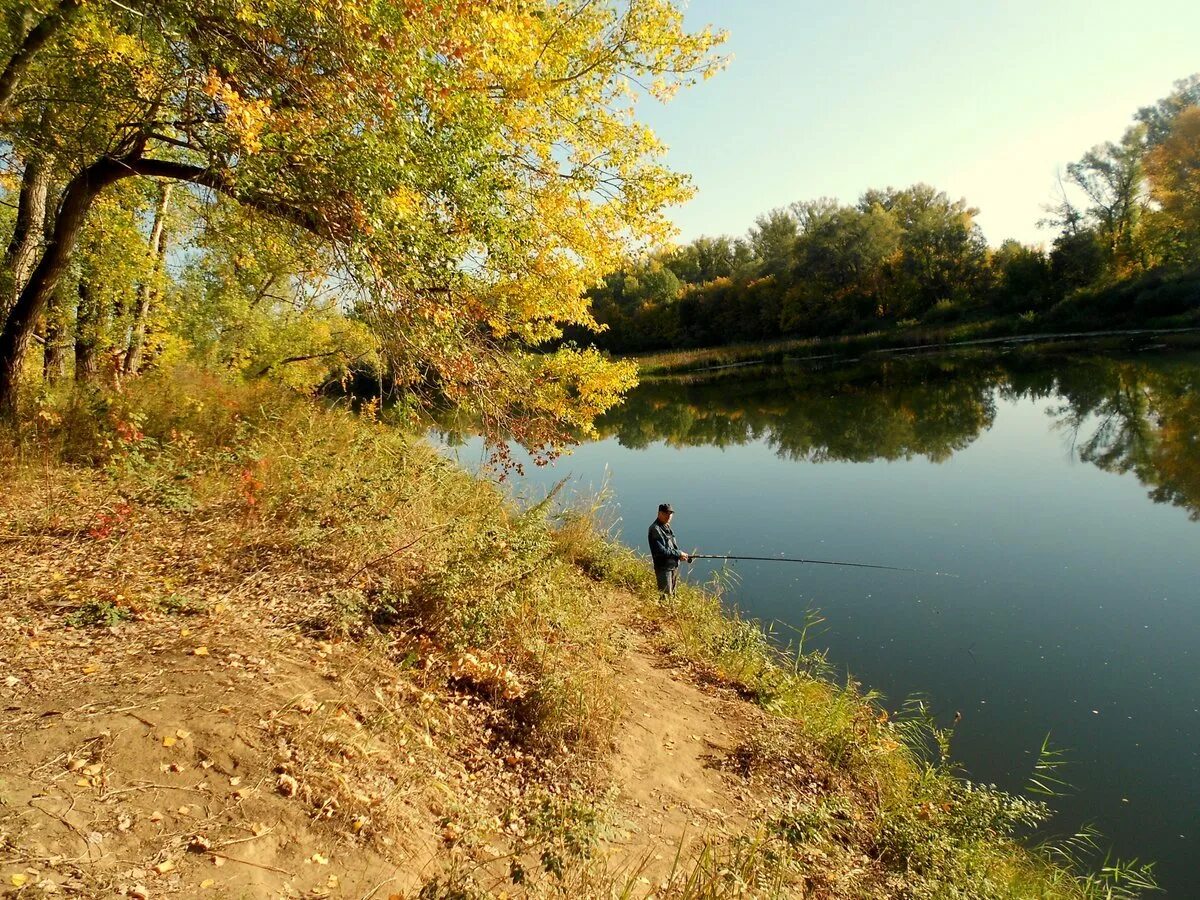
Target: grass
[(514, 608)]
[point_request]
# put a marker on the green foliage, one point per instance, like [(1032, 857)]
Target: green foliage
[(396, 527), (181, 605), (899, 258), (98, 614)]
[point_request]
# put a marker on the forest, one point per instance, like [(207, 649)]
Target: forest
[(1126, 253)]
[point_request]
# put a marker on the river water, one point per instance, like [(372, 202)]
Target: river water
[(1061, 485)]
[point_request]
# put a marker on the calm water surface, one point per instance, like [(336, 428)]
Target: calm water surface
[(1063, 487)]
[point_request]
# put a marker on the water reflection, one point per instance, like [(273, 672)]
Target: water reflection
[(1138, 415)]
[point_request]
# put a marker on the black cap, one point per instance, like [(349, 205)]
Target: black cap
[(666, 507)]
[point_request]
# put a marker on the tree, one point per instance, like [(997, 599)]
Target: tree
[(150, 287), (772, 239), (1110, 178), (473, 167), (943, 254), (843, 262), (259, 297), (1173, 168), (1023, 277), (1160, 118)]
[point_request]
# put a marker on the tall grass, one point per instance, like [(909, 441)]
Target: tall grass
[(399, 544)]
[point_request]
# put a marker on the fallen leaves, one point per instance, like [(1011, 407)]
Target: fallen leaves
[(287, 785), (487, 676), (199, 844)]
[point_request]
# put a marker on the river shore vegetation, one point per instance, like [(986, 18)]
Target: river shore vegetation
[(257, 644), (269, 642), (911, 262)]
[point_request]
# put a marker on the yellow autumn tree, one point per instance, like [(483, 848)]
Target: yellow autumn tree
[(1173, 169), (472, 167)]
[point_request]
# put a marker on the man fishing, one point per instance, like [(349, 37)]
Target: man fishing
[(665, 551)]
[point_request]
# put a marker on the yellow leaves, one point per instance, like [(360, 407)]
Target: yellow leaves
[(90, 775), (245, 118), (200, 651), (487, 675), (18, 879), (1173, 168), (403, 201)]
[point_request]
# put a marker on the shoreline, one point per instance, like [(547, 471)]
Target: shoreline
[(225, 629), (691, 361)]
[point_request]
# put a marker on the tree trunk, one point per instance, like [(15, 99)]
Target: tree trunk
[(88, 329), (18, 327), (29, 230), (158, 250), (54, 351)]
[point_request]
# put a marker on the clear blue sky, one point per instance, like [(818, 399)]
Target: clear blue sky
[(984, 100)]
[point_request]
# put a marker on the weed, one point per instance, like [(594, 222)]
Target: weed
[(98, 614), (181, 605)]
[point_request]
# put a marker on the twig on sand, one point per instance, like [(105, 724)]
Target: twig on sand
[(375, 890), (253, 837), (246, 862)]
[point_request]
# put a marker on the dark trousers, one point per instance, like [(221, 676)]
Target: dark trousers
[(667, 579)]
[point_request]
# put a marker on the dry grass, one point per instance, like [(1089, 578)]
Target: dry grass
[(454, 663)]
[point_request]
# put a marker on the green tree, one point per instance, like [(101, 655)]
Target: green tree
[(943, 254), (843, 262), (773, 240), (1023, 278), (1110, 178), (474, 166)]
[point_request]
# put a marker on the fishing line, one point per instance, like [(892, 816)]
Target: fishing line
[(817, 562)]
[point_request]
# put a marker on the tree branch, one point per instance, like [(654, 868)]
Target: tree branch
[(221, 182), (37, 38), (294, 359)]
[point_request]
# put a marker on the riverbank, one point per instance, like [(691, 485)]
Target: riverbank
[(912, 340), (257, 646)]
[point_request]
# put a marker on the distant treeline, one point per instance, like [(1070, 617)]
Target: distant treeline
[(1127, 250)]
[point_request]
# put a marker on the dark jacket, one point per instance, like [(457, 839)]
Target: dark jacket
[(663, 547)]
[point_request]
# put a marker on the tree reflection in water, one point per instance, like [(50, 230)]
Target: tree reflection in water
[(1122, 414)]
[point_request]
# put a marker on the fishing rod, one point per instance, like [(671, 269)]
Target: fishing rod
[(816, 562)]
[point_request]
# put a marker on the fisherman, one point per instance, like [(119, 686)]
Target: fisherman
[(665, 551)]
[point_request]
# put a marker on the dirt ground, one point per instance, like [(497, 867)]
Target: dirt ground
[(224, 752)]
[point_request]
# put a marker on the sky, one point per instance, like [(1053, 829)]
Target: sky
[(986, 101)]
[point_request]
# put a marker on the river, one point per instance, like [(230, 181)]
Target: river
[(1061, 485)]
